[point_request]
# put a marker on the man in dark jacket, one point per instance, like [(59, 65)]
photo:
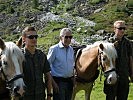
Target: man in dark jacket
[(35, 67), (124, 64)]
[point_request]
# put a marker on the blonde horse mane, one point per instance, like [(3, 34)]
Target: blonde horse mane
[(12, 50), (109, 48)]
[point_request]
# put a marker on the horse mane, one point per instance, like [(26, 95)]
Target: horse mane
[(19, 42), (108, 48), (13, 51)]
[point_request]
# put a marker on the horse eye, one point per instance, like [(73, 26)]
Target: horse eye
[(4, 63), (104, 58)]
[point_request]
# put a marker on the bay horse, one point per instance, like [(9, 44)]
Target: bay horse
[(87, 63), (11, 71)]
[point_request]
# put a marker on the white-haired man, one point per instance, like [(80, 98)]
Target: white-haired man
[(61, 59)]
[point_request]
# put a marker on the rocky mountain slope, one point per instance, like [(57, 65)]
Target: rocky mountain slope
[(85, 17)]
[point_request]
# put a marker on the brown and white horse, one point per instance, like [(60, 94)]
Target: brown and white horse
[(11, 71), (87, 62)]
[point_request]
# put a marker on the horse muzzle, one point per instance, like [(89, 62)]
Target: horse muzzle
[(17, 91), (112, 78)]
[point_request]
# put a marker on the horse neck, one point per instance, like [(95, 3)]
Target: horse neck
[(87, 63)]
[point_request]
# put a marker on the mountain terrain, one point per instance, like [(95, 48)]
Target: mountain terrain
[(86, 18)]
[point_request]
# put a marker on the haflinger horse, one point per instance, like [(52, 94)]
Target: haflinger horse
[(11, 71), (88, 61)]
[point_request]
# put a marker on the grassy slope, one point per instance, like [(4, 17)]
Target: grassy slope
[(97, 92), (104, 19)]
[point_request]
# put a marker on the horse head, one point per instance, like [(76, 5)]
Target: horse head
[(107, 56), (11, 58)]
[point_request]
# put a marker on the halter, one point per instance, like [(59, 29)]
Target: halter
[(8, 82), (100, 63)]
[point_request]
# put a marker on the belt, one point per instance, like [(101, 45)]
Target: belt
[(59, 79)]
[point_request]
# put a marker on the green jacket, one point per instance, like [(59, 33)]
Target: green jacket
[(124, 51), (35, 67)]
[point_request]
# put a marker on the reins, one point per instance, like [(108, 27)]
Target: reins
[(99, 60), (100, 64)]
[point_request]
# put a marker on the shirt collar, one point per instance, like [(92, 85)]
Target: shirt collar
[(61, 45), (26, 52)]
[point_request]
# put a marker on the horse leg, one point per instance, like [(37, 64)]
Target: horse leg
[(74, 94), (88, 91), (76, 89)]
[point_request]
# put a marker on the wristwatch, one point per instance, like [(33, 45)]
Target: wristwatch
[(49, 94)]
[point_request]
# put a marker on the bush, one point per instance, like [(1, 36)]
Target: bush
[(2, 7), (10, 10), (95, 1)]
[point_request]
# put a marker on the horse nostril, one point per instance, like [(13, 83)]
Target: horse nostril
[(110, 79), (15, 89)]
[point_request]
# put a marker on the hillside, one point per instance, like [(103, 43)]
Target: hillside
[(84, 17)]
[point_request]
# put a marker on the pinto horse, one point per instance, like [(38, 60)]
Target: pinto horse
[(87, 62), (11, 71)]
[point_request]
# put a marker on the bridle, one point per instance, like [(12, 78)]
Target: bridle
[(9, 82), (100, 64)]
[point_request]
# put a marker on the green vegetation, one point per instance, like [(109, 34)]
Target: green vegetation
[(97, 92), (48, 35), (35, 4), (112, 11)]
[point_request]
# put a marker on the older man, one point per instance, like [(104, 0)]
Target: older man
[(61, 59)]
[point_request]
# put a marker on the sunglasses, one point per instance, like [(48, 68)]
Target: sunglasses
[(121, 28), (32, 36), (70, 37)]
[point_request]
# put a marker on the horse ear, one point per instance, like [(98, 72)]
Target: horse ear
[(101, 46), (115, 43), (2, 44), (19, 42)]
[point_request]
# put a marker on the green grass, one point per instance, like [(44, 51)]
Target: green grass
[(97, 92)]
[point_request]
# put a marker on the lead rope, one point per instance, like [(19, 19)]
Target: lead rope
[(100, 64), (101, 75)]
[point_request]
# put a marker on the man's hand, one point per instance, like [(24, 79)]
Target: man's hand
[(55, 86)]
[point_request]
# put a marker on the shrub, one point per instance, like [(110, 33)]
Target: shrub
[(2, 7)]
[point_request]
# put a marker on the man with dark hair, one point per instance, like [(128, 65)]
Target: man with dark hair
[(35, 67)]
